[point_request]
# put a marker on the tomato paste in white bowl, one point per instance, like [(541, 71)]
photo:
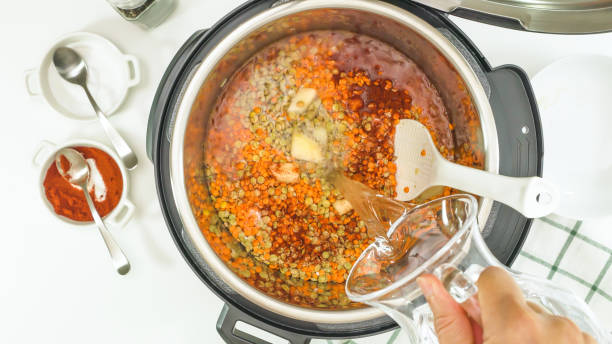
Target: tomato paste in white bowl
[(108, 185)]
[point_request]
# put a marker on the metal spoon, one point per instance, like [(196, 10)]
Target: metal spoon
[(71, 66), (78, 174)]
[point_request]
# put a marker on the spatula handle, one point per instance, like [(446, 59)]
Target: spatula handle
[(532, 196)]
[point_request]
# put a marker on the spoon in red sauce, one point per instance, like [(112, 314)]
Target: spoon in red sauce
[(73, 167)]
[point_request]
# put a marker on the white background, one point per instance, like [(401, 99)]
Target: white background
[(57, 284)]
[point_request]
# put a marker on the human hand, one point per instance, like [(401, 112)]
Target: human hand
[(505, 315)]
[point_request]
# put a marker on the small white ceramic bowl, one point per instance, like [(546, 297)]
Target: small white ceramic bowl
[(110, 74), (44, 156)]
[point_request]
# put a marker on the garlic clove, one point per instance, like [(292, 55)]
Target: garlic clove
[(305, 148), (342, 206), (285, 173), (301, 100)]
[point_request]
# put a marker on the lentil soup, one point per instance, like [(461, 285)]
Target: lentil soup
[(260, 197)]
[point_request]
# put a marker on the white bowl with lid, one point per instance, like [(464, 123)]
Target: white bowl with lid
[(110, 74), (44, 156)]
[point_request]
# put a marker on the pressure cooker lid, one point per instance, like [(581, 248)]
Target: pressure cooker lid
[(549, 16)]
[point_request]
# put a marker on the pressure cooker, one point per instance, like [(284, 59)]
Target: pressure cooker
[(510, 134)]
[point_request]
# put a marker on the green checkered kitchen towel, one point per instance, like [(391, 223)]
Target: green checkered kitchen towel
[(576, 254)]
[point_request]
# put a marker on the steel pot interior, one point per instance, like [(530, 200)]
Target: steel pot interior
[(457, 83)]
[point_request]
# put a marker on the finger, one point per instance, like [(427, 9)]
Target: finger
[(569, 331), (588, 339), (537, 308), (500, 298), (565, 329), (471, 306), (451, 322), (476, 332)]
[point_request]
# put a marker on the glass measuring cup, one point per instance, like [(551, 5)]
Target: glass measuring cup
[(442, 237)]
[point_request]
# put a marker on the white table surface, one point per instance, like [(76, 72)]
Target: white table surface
[(57, 284)]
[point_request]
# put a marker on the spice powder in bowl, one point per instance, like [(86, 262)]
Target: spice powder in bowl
[(105, 187)]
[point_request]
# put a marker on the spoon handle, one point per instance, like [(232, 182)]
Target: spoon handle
[(119, 259), (125, 152), (532, 196)]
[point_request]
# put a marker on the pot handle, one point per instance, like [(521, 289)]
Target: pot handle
[(516, 112), (519, 136), (226, 326)]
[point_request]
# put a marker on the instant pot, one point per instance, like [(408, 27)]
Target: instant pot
[(510, 134)]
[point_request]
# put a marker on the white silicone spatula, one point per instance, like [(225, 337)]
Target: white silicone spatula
[(420, 166)]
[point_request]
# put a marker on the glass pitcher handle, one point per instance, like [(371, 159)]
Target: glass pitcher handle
[(461, 285)]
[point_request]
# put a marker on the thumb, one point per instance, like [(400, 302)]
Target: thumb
[(451, 322)]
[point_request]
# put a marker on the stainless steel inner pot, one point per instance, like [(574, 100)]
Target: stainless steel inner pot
[(439, 59)]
